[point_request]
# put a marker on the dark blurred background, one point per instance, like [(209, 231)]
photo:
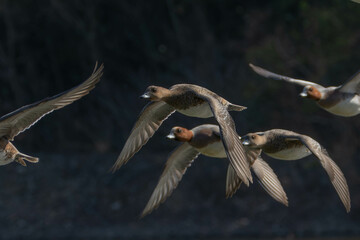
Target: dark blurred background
[(50, 46)]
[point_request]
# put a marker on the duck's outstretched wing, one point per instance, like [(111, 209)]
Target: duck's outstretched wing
[(23, 118), (233, 182), (352, 85), (335, 174), (176, 165), (233, 147), (265, 73), (269, 181), (149, 120)]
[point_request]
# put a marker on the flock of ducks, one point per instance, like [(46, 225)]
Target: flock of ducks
[(222, 140), (218, 141)]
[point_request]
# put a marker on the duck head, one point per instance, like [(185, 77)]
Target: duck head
[(180, 134), (253, 140), (311, 92), (155, 93)]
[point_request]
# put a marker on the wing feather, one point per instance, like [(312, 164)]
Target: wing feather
[(265, 73), (233, 182), (352, 85), (23, 118), (336, 176), (269, 181), (175, 168), (149, 120), (233, 147)]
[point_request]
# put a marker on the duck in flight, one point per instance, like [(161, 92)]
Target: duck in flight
[(205, 139), (287, 145), (190, 100), (342, 100), (23, 118)]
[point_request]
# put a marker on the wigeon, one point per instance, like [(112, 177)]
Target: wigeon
[(206, 140), (23, 118), (287, 145), (342, 100), (190, 100)]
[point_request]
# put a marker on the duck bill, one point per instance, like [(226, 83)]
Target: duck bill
[(170, 136), (145, 96), (303, 93), (246, 142)]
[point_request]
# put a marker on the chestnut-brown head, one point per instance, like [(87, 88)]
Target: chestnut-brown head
[(155, 93), (311, 92), (254, 140), (180, 134)]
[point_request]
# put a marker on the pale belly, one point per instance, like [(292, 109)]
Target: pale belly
[(4, 159), (346, 108), (291, 154), (215, 150), (200, 111)]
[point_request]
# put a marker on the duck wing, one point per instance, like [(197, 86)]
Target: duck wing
[(269, 181), (176, 165), (335, 174), (265, 73), (352, 85), (233, 147), (23, 118), (233, 182), (149, 120)]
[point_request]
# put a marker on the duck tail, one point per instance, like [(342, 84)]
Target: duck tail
[(234, 107)]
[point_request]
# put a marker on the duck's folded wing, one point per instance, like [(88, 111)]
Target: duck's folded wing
[(269, 181), (175, 168), (233, 147), (149, 120), (335, 174), (265, 73), (352, 85), (23, 118)]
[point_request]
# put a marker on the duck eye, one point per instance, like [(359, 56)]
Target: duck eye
[(178, 130), (253, 137), (153, 90), (310, 89)]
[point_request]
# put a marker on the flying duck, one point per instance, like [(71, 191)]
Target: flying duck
[(23, 118), (287, 145), (205, 139), (342, 100)]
